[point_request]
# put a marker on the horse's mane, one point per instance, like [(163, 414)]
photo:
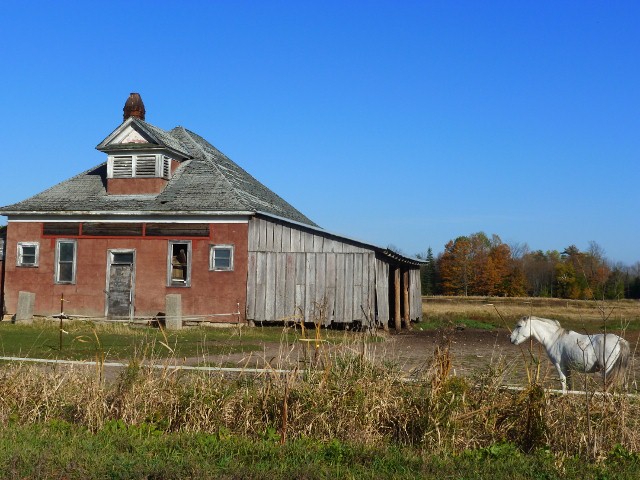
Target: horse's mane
[(549, 321)]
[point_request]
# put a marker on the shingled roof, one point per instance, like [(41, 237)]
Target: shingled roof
[(207, 182)]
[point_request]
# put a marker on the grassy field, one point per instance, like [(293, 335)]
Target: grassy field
[(344, 417), (62, 450), (83, 340), (578, 315)]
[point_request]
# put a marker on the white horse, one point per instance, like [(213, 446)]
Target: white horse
[(569, 350)]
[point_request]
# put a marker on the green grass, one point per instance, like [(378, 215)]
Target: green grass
[(84, 340), (62, 450)]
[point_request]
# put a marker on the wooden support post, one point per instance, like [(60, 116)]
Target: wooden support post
[(405, 295), (396, 298)]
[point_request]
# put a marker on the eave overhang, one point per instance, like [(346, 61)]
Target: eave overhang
[(385, 252), (124, 216)]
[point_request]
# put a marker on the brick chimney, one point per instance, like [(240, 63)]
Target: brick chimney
[(134, 107)]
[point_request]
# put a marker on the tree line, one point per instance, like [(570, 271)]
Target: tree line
[(477, 264)]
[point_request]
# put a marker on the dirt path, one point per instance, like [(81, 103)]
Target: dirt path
[(474, 353), (414, 349)]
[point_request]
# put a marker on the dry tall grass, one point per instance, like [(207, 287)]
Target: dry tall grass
[(350, 397)]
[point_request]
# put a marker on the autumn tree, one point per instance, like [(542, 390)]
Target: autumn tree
[(455, 267), (565, 280), (583, 275), (477, 265), (516, 283), (597, 271), (482, 276), (505, 275), (480, 265)]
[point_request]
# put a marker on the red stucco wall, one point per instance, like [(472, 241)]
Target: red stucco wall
[(1, 288), (210, 292), (131, 186)]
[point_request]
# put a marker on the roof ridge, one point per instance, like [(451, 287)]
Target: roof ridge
[(161, 134), (206, 158)]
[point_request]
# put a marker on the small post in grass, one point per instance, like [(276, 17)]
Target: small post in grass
[(61, 315)]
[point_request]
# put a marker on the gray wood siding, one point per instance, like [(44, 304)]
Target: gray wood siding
[(337, 287), (416, 294), (382, 291), (294, 273)]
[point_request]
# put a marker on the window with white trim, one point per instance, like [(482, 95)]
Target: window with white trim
[(139, 166), (179, 263), (221, 257), (66, 253), (28, 254)]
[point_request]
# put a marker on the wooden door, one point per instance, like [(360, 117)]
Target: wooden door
[(120, 286)]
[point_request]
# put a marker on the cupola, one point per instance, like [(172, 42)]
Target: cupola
[(140, 157)]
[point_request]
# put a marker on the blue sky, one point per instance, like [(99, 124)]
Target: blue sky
[(404, 123)]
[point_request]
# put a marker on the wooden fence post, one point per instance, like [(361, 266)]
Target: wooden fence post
[(407, 315)]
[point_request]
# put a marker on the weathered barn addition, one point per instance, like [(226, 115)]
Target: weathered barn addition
[(167, 223)]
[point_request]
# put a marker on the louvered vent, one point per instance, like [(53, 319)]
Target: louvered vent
[(166, 167), (140, 166), (145, 166), (122, 166)]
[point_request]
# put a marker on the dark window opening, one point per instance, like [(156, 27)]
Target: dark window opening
[(112, 229), (51, 228), (180, 263), (124, 258), (177, 230)]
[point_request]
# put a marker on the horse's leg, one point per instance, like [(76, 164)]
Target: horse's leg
[(569, 378), (609, 376), (563, 377)]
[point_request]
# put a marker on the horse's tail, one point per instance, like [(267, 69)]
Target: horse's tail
[(619, 367)]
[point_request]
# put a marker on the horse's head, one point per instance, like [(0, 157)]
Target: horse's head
[(522, 331)]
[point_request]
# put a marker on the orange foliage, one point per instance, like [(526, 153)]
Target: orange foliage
[(477, 265)]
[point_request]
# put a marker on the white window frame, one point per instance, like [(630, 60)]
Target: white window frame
[(212, 257), (171, 282), (74, 261), (20, 254)]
